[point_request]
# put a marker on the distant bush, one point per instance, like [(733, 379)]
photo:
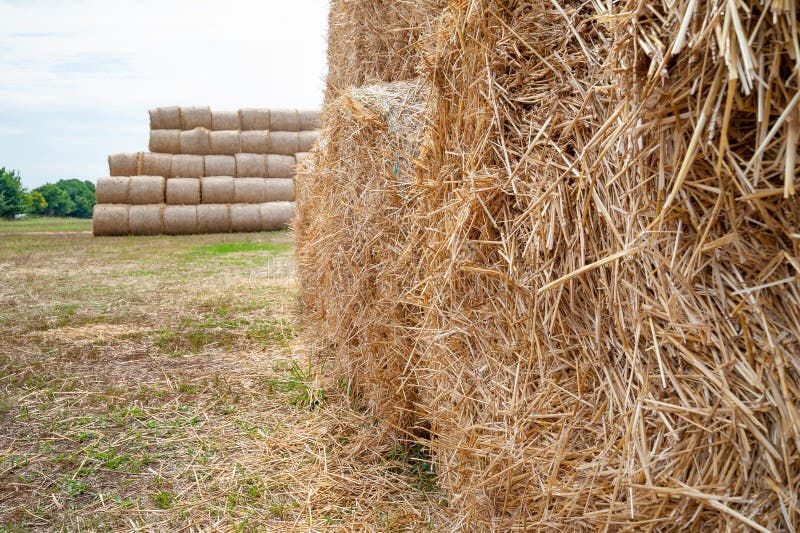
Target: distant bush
[(12, 195), (58, 202), (82, 195), (65, 198)]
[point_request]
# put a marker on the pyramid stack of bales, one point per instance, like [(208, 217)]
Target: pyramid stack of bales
[(207, 172), (578, 238)]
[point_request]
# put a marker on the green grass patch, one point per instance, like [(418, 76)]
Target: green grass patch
[(239, 247), (45, 224)]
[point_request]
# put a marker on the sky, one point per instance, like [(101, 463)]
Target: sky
[(77, 77)]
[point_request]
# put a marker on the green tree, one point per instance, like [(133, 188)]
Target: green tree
[(59, 203), (82, 195), (36, 204), (12, 195)]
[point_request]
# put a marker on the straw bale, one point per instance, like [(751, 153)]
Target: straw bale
[(219, 165), (217, 189), (180, 219), (187, 166), (156, 165), (110, 220), (195, 117), (165, 141), (147, 190), (196, 141), (306, 140), (183, 191), (249, 190), (165, 118), (225, 120), (301, 156), (254, 119), (280, 166), (279, 190), (284, 120), (124, 164), (251, 166), (224, 142), (213, 218), (113, 190), (283, 143), (309, 120), (276, 215), (254, 142), (245, 217), (145, 219)]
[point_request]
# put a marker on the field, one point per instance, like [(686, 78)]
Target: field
[(165, 383)]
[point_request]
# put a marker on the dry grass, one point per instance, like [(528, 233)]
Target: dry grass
[(160, 384)]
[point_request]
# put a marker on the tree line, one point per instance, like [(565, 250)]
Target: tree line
[(64, 198)]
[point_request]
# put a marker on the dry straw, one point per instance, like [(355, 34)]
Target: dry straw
[(155, 164), (219, 165), (249, 190), (124, 164), (279, 190), (113, 190), (145, 219), (224, 142), (183, 191), (245, 217), (217, 189), (195, 117), (165, 118), (280, 166), (165, 141), (254, 119), (180, 219), (187, 166), (251, 166), (110, 220), (196, 141), (284, 120), (276, 215), (254, 141), (147, 190), (283, 143), (213, 218), (225, 120)]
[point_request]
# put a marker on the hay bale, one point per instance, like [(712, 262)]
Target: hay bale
[(195, 117), (156, 165), (147, 190), (254, 119), (283, 143), (309, 120), (284, 120), (249, 190), (124, 164), (245, 217), (225, 120), (251, 166), (110, 220), (183, 191), (113, 190), (300, 157), (306, 140), (145, 219), (219, 165), (213, 218), (224, 142), (165, 141), (217, 189), (187, 166), (276, 215), (180, 219), (254, 142), (280, 166), (279, 190), (165, 118), (196, 142)]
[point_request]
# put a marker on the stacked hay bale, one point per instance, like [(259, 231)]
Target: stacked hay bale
[(207, 172), (591, 278)]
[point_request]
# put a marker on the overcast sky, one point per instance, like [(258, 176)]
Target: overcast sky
[(78, 76)]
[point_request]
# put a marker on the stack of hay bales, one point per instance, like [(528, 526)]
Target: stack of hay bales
[(207, 172), (580, 236)]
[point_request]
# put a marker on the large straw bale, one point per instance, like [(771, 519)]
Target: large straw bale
[(302, 156), (110, 220), (217, 189), (113, 190), (280, 166), (245, 217), (147, 190), (219, 165), (309, 119), (254, 119), (195, 117), (156, 165), (279, 190), (254, 142), (183, 191), (224, 142), (180, 219), (213, 218), (145, 219), (196, 141), (251, 165), (124, 164), (284, 120), (249, 190), (165, 141), (225, 120), (187, 166), (276, 215), (165, 118), (283, 143), (306, 140)]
